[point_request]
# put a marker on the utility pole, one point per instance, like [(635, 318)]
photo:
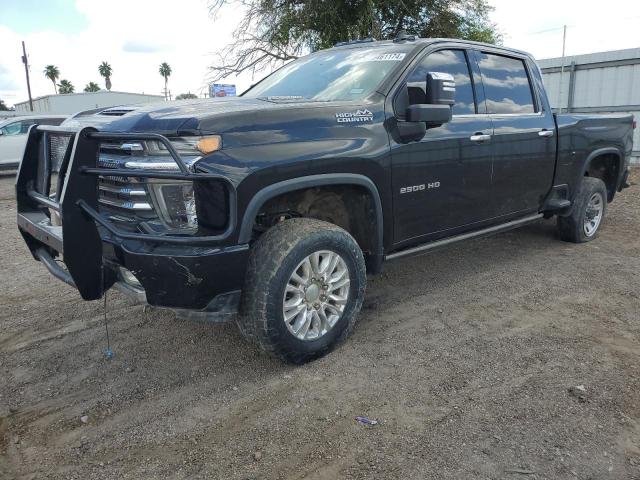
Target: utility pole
[(564, 42), (26, 71)]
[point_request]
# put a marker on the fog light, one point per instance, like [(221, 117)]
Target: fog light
[(129, 278)]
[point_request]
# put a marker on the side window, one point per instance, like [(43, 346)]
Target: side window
[(50, 121), (506, 84), (24, 127), (455, 63), (12, 129)]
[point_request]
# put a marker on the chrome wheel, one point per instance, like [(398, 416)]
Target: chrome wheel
[(316, 295), (593, 214)]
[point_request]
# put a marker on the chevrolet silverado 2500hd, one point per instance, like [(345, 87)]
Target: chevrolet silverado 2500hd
[(277, 203)]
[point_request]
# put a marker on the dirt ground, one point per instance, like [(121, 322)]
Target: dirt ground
[(469, 358)]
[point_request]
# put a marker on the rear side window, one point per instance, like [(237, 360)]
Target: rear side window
[(506, 84), (25, 124), (50, 121), (455, 63)]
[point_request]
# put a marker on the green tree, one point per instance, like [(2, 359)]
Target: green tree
[(65, 86), (53, 74), (3, 107), (165, 71), (92, 87), (275, 31), (186, 96), (105, 70)]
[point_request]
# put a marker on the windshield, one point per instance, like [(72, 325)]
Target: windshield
[(349, 74)]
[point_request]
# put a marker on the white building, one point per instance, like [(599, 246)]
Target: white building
[(75, 102), (603, 82)]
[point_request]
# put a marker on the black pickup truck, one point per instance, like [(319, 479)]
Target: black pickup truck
[(272, 207)]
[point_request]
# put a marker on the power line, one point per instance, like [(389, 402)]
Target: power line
[(548, 30), (581, 25)]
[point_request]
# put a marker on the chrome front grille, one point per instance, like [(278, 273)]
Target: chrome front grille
[(123, 192), (123, 199)]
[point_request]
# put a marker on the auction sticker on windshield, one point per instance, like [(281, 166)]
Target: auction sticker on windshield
[(390, 57)]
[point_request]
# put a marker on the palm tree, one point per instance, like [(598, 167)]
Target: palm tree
[(165, 71), (92, 87), (106, 71), (53, 74), (66, 86)]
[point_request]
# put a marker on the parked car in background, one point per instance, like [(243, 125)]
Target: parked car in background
[(13, 137)]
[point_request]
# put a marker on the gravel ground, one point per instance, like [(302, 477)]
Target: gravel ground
[(468, 357)]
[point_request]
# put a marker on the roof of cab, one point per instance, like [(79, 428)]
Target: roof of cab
[(421, 42)]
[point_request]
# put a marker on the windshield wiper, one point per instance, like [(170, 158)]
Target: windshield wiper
[(283, 98)]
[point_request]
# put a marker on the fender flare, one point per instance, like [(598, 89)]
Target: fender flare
[(605, 151), (300, 183), (599, 152)]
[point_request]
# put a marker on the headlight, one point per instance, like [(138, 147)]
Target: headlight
[(176, 204), (150, 153), (187, 145)]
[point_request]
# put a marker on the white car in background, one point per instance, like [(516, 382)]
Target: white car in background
[(13, 137)]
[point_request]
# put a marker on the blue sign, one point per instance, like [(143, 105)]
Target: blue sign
[(222, 90)]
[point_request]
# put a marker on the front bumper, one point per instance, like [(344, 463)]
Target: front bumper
[(179, 278), (180, 272)]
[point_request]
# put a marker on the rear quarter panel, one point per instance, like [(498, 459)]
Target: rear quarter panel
[(582, 137)]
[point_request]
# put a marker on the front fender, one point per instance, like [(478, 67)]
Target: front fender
[(285, 186)]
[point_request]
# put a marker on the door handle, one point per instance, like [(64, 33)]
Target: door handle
[(480, 137), (545, 133)]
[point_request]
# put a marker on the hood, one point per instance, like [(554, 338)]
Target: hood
[(191, 116)]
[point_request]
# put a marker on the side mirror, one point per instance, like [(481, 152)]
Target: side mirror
[(432, 115), (441, 89), (434, 106), (1, 133)]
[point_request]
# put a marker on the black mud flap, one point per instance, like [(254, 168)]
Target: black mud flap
[(624, 182), (40, 213)]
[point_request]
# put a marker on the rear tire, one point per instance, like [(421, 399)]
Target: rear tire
[(304, 287), (588, 212)]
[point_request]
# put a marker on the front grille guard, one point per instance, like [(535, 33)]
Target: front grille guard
[(76, 202)]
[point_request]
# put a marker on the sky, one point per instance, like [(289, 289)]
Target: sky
[(135, 36)]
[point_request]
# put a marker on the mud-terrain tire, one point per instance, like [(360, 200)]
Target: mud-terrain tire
[(587, 215), (302, 246)]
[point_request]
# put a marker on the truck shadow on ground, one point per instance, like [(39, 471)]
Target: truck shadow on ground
[(425, 277)]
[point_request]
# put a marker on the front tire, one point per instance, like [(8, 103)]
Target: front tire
[(304, 287), (586, 218)]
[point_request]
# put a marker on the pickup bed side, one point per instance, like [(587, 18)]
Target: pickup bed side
[(596, 146)]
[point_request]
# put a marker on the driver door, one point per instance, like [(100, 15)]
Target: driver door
[(442, 181)]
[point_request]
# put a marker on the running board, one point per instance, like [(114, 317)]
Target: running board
[(465, 236)]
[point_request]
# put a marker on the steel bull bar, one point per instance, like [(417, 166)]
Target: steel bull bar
[(65, 223)]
